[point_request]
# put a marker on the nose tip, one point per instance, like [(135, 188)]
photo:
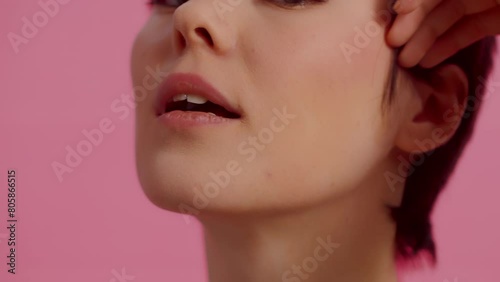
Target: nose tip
[(196, 27)]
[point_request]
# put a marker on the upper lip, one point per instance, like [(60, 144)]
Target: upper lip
[(188, 83)]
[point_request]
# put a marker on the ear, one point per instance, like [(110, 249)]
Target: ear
[(434, 108)]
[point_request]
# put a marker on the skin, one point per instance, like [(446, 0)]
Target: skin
[(323, 174), (433, 30)]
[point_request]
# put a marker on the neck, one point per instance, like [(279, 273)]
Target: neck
[(338, 241)]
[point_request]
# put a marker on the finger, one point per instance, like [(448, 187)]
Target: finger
[(444, 16), (405, 25), (476, 6), (464, 33), (406, 6)]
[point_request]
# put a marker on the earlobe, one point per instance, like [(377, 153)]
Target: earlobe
[(434, 109)]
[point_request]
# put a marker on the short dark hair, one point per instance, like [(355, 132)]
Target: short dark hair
[(427, 180)]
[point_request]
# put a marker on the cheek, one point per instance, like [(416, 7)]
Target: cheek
[(149, 55), (152, 46), (338, 135)]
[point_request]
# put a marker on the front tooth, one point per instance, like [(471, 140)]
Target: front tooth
[(180, 97), (195, 99)]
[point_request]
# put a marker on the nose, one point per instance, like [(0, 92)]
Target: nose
[(197, 25)]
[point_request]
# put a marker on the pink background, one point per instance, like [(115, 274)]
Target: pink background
[(98, 221)]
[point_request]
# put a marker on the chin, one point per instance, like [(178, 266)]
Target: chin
[(181, 183)]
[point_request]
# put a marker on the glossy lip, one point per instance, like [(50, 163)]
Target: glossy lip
[(187, 83)]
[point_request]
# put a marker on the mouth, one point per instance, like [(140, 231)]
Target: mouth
[(195, 103), (186, 96)]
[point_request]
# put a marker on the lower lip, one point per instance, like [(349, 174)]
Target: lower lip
[(191, 119)]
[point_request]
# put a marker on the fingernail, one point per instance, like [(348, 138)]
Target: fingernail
[(396, 6)]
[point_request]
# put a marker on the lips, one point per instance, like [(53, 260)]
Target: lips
[(189, 93)]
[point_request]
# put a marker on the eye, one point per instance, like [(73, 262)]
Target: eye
[(167, 3), (296, 3)]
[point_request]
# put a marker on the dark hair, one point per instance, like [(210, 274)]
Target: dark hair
[(427, 180)]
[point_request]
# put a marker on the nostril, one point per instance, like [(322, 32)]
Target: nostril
[(205, 35), (179, 41)]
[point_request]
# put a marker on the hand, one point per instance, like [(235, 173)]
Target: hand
[(434, 30)]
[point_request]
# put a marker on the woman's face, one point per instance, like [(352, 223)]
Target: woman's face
[(308, 82)]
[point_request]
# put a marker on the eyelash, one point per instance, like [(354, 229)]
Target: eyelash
[(283, 3), (164, 3)]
